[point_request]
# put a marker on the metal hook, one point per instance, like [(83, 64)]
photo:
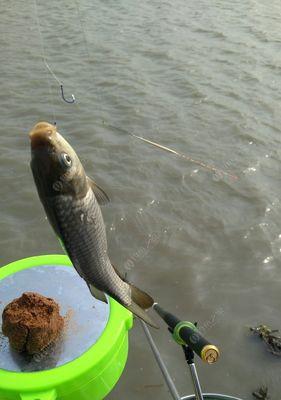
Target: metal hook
[(62, 95)]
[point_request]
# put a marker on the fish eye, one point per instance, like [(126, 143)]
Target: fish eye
[(66, 159)]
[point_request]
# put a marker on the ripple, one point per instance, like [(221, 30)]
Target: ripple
[(199, 77)]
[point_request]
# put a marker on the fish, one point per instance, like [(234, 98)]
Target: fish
[(72, 203)]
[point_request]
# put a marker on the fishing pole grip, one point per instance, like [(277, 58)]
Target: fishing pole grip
[(186, 333)]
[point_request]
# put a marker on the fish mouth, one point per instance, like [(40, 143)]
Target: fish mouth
[(42, 134)]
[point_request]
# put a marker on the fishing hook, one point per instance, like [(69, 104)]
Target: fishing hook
[(62, 95)]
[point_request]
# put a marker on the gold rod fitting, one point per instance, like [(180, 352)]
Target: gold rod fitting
[(210, 353)]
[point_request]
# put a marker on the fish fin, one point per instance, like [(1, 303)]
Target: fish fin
[(141, 301), (141, 298), (139, 312), (100, 194), (98, 294)]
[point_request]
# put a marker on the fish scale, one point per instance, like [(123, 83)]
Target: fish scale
[(86, 242), (71, 201)]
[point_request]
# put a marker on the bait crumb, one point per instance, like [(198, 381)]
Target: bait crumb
[(32, 322)]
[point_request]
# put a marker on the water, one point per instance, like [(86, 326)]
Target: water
[(203, 78)]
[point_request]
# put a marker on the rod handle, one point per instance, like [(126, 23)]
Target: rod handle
[(186, 333)]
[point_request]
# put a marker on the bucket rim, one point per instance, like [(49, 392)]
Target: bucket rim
[(94, 359)]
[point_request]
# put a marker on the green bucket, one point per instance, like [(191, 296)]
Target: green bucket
[(94, 362)]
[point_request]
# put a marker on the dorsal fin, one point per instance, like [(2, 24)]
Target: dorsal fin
[(101, 196)]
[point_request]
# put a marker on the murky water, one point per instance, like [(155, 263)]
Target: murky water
[(202, 78)]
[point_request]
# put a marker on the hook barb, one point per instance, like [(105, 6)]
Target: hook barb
[(64, 98)]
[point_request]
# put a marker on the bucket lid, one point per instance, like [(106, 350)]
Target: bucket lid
[(86, 317)]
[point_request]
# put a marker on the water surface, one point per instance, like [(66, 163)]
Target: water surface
[(203, 78)]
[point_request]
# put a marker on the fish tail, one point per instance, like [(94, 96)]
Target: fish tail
[(139, 312), (141, 301)]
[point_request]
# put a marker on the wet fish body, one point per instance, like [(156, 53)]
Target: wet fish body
[(71, 201), (83, 234)]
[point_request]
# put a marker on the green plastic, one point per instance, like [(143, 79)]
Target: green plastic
[(90, 376), (177, 329)]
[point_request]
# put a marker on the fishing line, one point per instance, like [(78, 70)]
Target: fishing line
[(83, 32), (86, 47), (188, 158), (43, 53), (44, 58), (202, 164), (52, 98)]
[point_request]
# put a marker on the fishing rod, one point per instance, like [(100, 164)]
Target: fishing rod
[(202, 164), (187, 335)]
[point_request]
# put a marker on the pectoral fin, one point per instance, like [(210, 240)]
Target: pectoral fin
[(98, 294), (100, 194)]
